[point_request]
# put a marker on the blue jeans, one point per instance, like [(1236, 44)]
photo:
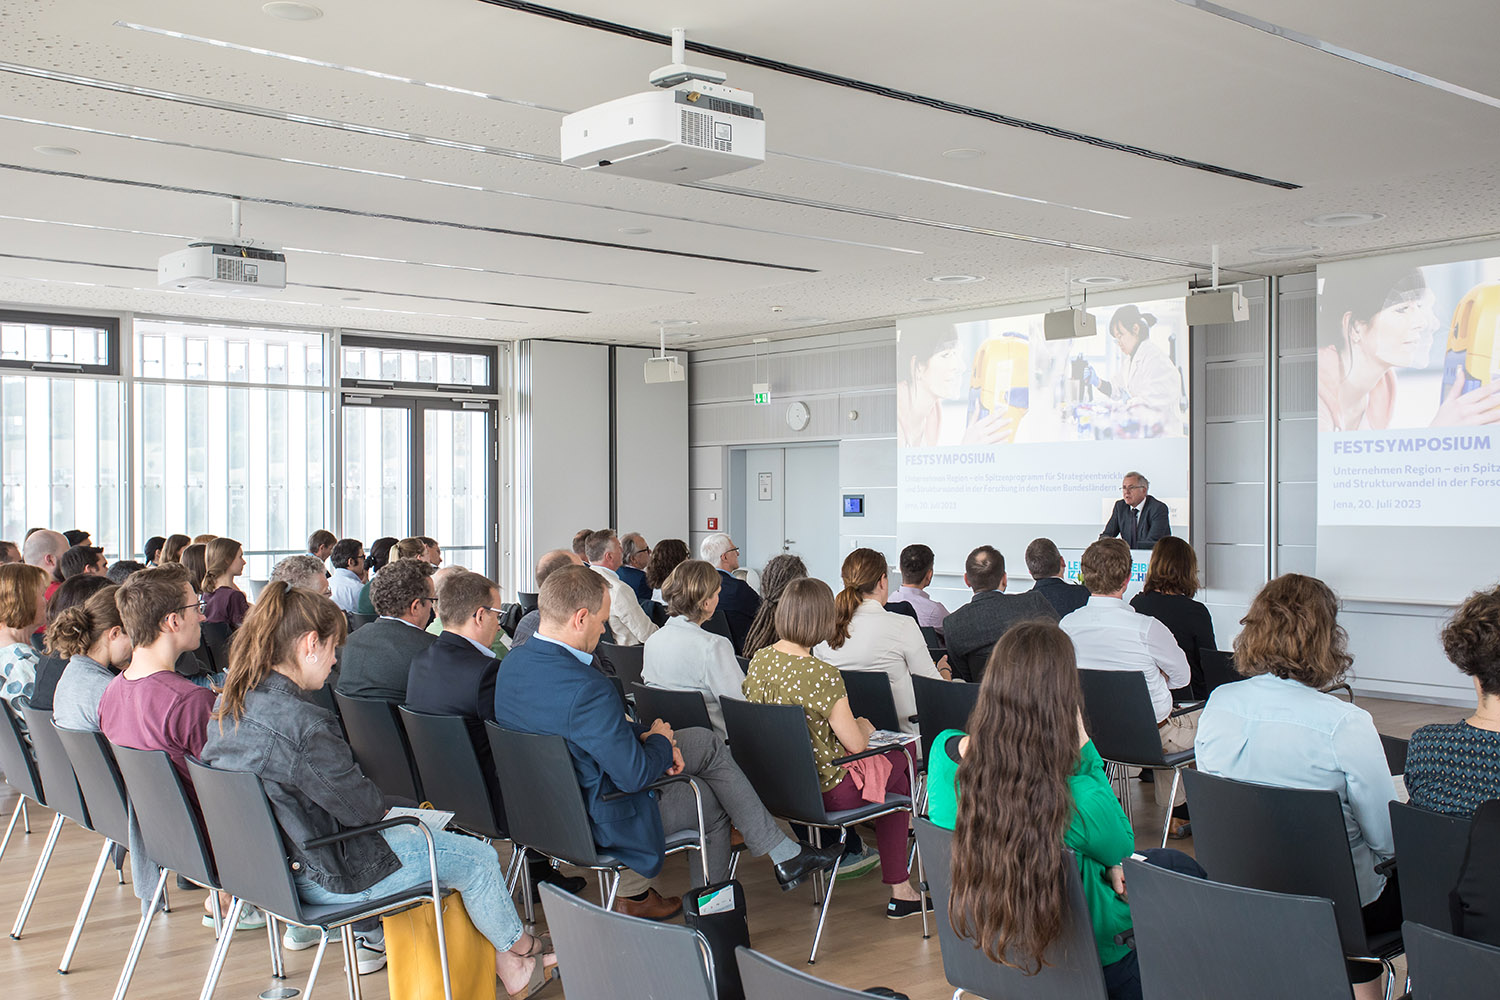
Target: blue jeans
[(463, 863)]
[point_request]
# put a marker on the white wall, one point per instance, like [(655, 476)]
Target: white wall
[(651, 450)]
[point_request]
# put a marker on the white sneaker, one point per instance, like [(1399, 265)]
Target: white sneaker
[(251, 919), (369, 952), (300, 938)]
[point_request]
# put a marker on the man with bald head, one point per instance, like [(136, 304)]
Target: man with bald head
[(527, 626), (44, 548)]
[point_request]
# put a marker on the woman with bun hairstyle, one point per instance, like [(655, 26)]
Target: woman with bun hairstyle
[(263, 723), (92, 638), (74, 591), (223, 600), (868, 637)]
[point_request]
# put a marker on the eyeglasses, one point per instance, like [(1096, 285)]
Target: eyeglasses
[(201, 604), (1130, 489), (735, 549), (497, 611), (429, 600)]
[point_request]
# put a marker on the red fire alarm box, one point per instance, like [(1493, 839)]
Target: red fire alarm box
[(713, 524)]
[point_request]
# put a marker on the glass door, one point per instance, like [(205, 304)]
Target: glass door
[(456, 506), (377, 469)]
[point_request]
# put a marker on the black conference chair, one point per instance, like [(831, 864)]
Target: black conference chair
[(1445, 967), (214, 641), (380, 747), (1218, 668), (1430, 851), (1395, 752), (656, 611), (744, 662), (254, 868), (527, 602), (718, 624), (64, 797), (1122, 723), (765, 978), (602, 951), (546, 810), (109, 812), (870, 696), (1288, 840), (771, 745), (942, 705), (1072, 971), (1196, 938), (628, 662), (18, 762), (358, 620), (678, 709)]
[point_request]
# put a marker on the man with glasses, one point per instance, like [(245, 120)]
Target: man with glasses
[(627, 620), (633, 565), (1139, 518), (376, 660), (737, 599)]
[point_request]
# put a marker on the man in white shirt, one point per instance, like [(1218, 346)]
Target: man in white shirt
[(916, 576), (1108, 634), (627, 620), (349, 574)]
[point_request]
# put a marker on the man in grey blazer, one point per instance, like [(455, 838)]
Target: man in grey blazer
[(972, 630), (376, 661), (1137, 517)]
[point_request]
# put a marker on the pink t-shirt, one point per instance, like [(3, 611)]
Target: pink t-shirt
[(161, 711)]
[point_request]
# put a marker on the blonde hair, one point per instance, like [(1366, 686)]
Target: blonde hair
[(688, 586), (220, 555), (19, 585)]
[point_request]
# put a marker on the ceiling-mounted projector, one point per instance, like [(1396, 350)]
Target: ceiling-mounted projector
[(1068, 324), (664, 368), (213, 266), (1217, 305)]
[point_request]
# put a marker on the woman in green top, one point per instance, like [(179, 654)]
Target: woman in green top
[(786, 673), (1032, 784)]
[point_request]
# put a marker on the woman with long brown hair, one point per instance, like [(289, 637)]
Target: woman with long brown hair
[(868, 637), (224, 601), (262, 723), (664, 559), (171, 550), (780, 571), (1167, 595)]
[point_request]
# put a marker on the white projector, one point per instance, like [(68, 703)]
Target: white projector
[(664, 368), (230, 268), (1218, 305), (689, 133), (1069, 324)]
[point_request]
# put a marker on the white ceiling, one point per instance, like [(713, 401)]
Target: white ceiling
[(854, 208)]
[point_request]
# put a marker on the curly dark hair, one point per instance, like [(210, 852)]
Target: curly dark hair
[(779, 571), (664, 559), (1292, 631), (1472, 639)]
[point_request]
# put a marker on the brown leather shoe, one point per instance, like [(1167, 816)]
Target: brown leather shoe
[(654, 907)]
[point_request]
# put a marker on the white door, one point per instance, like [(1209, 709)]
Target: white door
[(765, 507), (813, 510)]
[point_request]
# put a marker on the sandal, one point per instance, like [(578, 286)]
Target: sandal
[(541, 977), (541, 944)]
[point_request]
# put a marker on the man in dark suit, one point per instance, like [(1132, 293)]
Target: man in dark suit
[(1046, 566), (549, 686), (737, 599), (527, 626), (633, 562), (1138, 517), (376, 660), (972, 630)]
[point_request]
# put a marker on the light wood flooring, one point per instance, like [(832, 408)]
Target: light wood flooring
[(861, 948)]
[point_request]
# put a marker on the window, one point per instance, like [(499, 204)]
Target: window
[(371, 362), (44, 342)]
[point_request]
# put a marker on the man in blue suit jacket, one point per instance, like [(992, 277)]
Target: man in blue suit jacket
[(737, 599), (549, 686), (633, 565), (1137, 517)]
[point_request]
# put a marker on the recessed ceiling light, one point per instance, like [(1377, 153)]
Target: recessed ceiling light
[(634, 230), (963, 153), (954, 279), (1286, 250), (1099, 279), (674, 322), (56, 150), (287, 11), (924, 300), (1340, 220)]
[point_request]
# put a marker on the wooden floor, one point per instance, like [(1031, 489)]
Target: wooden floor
[(861, 948)]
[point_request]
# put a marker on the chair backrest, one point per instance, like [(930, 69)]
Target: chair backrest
[(718, 624), (1444, 967), (942, 705), (931, 637), (1395, 753), (656, 611), (17, 759), (527, 601), (56, 770), (609, 955), (1196, 938), (767, 979), (1073, 971), (1121, 720), (169, 826), (678, 709), (452, 772), (544, 803), (771, 745), (870, 696), (1431, 847), (1218, 668), (1288, 840), (99, 778), (379, 745), (357, 620), (628, 662), (214, 638), (249, 852), (744, 662)]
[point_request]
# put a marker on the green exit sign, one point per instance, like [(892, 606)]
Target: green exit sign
[(762, 391)]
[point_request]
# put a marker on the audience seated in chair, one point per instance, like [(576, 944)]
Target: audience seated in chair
[(549, 687), (223, 599), (630, 624), (376, 661), (302, 571), (349, 574), (738, 600), (970, 632), (499, 645), (780, 571), (634, 558), (23, 608), (1167, 596), (51, 667), (681, 654), (868, 637), (89, 637), (1453, 767), (527, 626), (381, 552), (916, 576), (1277, 727), (664, 559), (1047, 568)]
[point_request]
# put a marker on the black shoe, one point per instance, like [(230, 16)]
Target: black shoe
[(1147, 776), (900, 909), (792, 871), (567, 883)]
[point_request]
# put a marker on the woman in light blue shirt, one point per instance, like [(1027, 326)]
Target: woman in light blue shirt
[(681, 655), (1277, 727)]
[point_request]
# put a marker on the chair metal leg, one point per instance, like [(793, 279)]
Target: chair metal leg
[(312, 977), (25, 819), (278, 966), (351, 962), (17, 813), (922, 896), (83, 911), (614, 889), (140, 937), (1166, 824), (221, 950), (823, 913), (36, 876), (1390, 968), (117, 855), (526, 890), (215, 912)]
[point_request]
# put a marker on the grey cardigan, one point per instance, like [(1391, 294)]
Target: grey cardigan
[(310, 776)]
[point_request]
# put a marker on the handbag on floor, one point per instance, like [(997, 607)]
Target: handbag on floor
[(718, 913), (411, 954)]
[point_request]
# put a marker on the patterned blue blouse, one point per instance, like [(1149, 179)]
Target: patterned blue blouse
[(1452, 768)]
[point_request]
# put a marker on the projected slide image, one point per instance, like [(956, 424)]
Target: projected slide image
[(1408, 394)]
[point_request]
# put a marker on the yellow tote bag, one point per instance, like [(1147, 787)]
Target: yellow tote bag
[(411, 953)]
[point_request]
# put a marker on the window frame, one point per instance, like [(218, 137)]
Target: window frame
[(109, 323), (365, 385)]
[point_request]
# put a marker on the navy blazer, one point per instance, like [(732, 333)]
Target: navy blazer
[(544, 689), (452, 677), (1153, 525), (1064, 597), (739, 602), (635, 579)]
